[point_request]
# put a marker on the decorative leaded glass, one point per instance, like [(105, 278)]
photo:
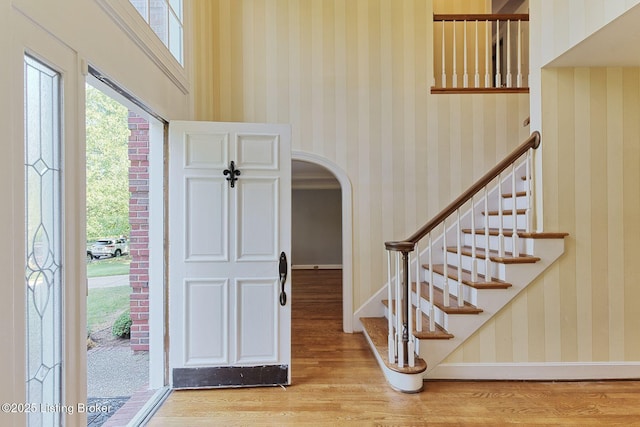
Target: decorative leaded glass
[(43, 276)]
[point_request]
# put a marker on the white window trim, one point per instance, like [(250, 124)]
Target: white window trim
[(136, 28)]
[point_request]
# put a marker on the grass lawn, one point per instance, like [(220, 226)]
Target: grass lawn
[(108, 266), (104, 305)]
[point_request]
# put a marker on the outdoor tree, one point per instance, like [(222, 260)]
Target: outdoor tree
[(107, 166)]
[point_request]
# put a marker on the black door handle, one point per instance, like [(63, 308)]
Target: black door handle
[(283, 277)]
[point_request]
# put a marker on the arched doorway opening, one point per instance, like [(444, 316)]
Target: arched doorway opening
[(299, 157)]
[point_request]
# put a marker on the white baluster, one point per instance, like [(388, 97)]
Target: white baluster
[(509, 53), (409, 319), (519, 77), (459, 251), (487, 238), (465, 77), (444, 69), (432, 314), (391, 339), (474, 255), (498, 75), (528, 182), (476, 80), (454, 78), (445, 288), (514, 212), (418, 290), (500, 220), (487, 49)]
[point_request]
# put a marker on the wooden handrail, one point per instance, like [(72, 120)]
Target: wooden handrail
[(482, 17), (532, 142)]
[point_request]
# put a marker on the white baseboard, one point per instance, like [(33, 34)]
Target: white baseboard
[(317, 267), (536, 371)]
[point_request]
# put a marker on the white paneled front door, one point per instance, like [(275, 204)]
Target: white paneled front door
[(229, 236)]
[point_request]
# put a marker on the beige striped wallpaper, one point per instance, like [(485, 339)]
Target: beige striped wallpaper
[(585, 307), (568, 22), (353, 77)]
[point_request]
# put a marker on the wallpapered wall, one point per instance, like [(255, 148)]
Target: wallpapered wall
[(353, 79), (584, 307)]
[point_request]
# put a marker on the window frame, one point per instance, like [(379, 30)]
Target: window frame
[(127, 17)]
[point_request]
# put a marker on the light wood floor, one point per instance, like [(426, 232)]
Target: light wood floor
[(336, 381)]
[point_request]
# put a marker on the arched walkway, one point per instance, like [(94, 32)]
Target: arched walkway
[(347, 232)]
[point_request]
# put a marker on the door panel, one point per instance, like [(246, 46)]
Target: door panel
[(258, 325), (206, 215), (226, 232), (206, 302), (257, 228)]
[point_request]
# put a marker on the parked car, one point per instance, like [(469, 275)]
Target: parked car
[(109, 247)]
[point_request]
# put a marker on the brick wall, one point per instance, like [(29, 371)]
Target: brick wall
[(139, 237)]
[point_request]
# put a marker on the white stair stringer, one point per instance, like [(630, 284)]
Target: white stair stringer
[(537, 251), (491, 302)]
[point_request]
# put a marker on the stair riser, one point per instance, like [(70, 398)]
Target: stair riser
[(525, 245), (521, 202), (470, 294), (507, 221), (467, 264), (441, 318)]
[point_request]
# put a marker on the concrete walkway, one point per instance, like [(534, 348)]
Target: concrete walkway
[(108, 281)]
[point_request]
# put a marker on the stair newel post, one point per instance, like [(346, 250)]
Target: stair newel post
[(514, 213), (459, 252), (432, 315), (528, 216), (474, 255), (391, 337), (487, 237), (398, 301), (445, 266), (500, 220), (403, 313), (418, 290)]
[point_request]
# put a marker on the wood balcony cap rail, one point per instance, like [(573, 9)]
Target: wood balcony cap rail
[(482, 17), (404, 247), (532, 142)]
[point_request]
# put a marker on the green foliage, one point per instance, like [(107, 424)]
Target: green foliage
[(109, 267), (104, 304), (107, 166), (122, 325)]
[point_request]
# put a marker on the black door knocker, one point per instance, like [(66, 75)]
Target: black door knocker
[(233, 173)]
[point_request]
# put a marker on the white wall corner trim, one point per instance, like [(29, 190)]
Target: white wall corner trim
[(347, 232), (544, 371), (132, 24)]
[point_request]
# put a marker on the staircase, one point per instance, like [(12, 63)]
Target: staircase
[(470, 261)]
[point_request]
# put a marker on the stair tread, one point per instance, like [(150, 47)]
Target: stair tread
[(482, 283), (510, 195), (438, 296), (506, 212), (377, 330), (508, 257), (439, 334), (521, 233)]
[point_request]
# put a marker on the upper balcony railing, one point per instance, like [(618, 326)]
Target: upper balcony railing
[(481, 53)]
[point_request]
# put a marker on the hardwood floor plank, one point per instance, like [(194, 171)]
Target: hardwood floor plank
[(336, 381)]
